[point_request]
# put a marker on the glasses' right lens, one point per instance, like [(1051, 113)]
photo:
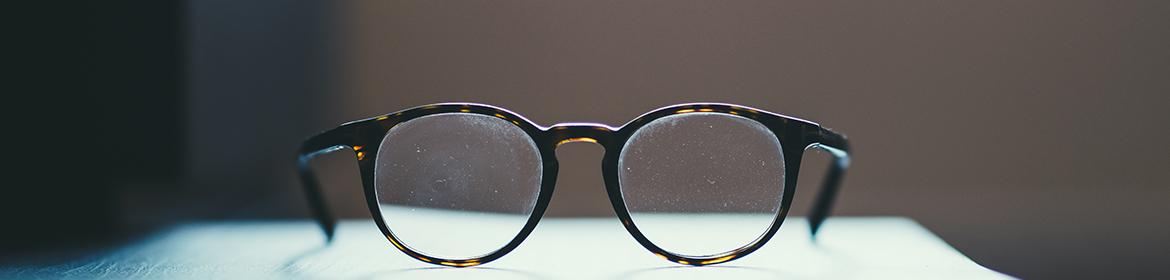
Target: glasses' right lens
[(457, 185), (701, 184)]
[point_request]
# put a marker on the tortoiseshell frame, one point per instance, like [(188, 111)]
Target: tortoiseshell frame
[(365, 136)]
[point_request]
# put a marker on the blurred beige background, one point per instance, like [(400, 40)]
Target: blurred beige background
[(1029, 135)]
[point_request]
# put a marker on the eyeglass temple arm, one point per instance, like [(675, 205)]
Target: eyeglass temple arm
[(837, 145), (314, 146)]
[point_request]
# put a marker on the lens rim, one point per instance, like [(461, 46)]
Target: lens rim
[(794, 135), (633, 136), (369, 134), (364, 136), (402, 234)]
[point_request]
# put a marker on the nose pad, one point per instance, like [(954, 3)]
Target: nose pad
[(580, 189)]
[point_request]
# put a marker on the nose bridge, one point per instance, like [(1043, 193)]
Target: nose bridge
[(581, 132)]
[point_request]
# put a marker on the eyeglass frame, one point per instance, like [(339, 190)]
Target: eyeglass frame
[(364, 136)]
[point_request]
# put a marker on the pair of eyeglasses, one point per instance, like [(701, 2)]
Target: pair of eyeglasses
[(462, 184)]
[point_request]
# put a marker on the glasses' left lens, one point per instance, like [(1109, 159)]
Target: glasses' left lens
[(457, 185)]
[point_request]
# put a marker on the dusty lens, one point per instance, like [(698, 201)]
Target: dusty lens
[(457, 185), (701, 184)]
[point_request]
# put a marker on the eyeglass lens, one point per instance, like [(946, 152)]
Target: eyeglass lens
[(457, 185), (701, 184)]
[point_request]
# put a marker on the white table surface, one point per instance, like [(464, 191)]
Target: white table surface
[(559, 248)]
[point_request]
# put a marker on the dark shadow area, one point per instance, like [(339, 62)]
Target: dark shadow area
[(132, 115), (97, 108)]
